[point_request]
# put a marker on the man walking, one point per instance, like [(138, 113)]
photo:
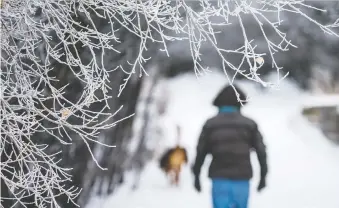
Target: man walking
[(229, 137)]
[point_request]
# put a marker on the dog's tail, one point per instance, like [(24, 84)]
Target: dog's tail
[(178, 135)]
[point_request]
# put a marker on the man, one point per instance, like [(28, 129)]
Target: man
[(229, 137)]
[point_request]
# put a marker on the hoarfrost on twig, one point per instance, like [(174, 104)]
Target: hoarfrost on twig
[(29, 52)]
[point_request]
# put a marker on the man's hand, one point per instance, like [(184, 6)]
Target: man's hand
[(197, 185), (262, 184)]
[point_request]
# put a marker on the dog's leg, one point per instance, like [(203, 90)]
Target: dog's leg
[(172, 177), (176, 177), (168, 175)]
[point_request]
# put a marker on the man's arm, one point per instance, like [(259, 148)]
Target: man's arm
[(201, 151), (260, 148)]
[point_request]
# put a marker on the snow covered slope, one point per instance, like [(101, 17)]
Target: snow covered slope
[(303, 165)]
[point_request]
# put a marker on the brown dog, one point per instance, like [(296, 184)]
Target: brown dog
[(172, 161)]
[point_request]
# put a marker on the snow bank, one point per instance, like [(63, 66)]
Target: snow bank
[(321, 100)]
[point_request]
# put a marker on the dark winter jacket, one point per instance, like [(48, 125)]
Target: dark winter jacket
[(229, 137)]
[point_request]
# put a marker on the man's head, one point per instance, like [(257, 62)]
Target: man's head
[(227, 97)]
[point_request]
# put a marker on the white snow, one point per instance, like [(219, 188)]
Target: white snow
[(321, 100), (303, 165)]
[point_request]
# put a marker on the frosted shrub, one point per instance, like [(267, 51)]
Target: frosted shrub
[(40, 37)]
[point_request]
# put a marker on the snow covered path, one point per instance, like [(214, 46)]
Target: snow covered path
[(303, 166)]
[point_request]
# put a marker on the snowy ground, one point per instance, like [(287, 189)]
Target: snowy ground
[(303, 165)]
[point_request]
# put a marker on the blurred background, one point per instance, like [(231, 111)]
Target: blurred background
[(300, 130), (299, 120)]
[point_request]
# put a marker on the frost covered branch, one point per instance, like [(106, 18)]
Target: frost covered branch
[(54, 69), (264, 13)]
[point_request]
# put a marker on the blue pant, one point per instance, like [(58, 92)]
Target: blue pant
[(230, 193)]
